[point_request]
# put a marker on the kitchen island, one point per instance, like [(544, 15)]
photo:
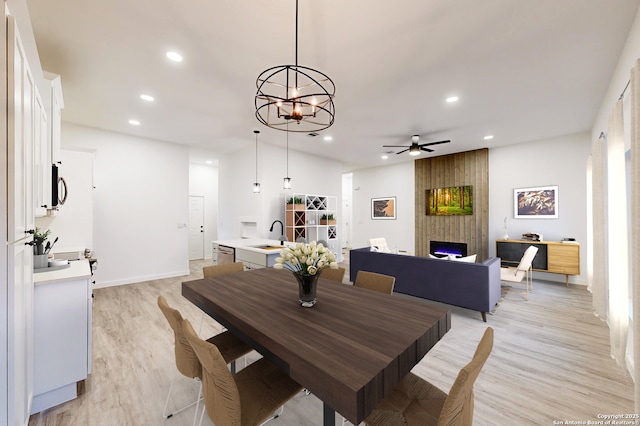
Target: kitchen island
[(254, 253)]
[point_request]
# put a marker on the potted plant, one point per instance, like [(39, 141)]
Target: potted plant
[(327, 219), (39, 237), (295, 203)]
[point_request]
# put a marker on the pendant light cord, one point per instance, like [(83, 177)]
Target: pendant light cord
[(288, 141)]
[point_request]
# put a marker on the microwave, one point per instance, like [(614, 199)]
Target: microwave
[(59, 189)]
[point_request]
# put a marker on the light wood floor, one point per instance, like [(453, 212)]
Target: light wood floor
[(550, 361)]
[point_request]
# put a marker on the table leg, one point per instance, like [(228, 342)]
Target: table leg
[(329, 415)]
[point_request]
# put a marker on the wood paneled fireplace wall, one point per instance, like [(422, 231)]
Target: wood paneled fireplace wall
[(465, 168)]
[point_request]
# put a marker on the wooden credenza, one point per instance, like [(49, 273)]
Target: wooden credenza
[(553, 256)]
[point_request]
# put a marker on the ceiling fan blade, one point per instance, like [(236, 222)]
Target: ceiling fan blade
[(434, 143), (404, 150), (425, 149), (394, 146)]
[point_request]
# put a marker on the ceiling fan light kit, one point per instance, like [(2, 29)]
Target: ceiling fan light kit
[(295, 93), (416, 148)]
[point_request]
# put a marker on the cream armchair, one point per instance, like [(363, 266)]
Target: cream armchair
[(522, 271), (380, 244)]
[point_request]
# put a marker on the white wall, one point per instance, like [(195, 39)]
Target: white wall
[(396, 180), (140, 205), (203, 182), (309, 174), (560, 161)]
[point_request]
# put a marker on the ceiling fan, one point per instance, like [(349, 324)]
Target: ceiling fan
[(415, 147)]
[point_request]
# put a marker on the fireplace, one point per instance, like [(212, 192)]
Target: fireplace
[(445, 248)]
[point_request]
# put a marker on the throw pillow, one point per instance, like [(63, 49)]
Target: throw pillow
[(374, 248), (470, 259), (436, 257)]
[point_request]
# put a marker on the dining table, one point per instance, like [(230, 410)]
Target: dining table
[(350, 349)]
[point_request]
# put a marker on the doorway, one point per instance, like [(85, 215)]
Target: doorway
[(196, 227)]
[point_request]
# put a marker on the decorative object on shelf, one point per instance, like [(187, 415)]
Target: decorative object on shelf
[(383, 208), (306, 261), (296, 202), (295, 92), (505, 236), (287, 180), (539, 202), (256, 184), (327, 219)]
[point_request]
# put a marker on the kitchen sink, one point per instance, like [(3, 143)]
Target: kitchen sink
[(269, 247)]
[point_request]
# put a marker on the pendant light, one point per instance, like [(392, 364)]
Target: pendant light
[(295, 93), (287, 180), (256, 184)]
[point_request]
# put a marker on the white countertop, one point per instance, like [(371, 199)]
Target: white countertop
[(250, 243), (78, 269)]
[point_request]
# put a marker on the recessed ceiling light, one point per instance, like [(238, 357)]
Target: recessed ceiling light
[(148, 98), (174, 56), (209, 162), (328, 138), (134, 122), (488, 137), (384, 156), (452, 99)]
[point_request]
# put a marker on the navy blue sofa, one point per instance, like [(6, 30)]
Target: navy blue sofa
[(468, 285)]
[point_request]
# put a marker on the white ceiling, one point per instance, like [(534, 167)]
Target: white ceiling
[(524, 70)]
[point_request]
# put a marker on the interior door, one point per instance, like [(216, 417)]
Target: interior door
[(20, 220), (196, 228)]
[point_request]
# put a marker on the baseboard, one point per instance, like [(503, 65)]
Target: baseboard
[(133, 280)]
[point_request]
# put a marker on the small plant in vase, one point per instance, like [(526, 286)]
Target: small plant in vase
[(39, 239), (296, 203), (327, 219)]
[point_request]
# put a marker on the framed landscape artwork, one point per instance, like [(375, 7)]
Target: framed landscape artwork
[(536, 203), (383, 208), (452, 201)]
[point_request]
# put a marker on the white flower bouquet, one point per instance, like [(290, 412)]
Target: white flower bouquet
[(306, 259)]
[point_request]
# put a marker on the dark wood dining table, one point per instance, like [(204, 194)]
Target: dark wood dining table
[(349, 350)]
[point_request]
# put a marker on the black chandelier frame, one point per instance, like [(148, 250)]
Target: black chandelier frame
[(278, 102)]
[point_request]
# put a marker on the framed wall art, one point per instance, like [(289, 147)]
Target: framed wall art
[(383, 208), (536, 203), (452, 201)]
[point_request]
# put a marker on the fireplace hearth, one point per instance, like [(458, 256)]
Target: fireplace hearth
[(445, 248)]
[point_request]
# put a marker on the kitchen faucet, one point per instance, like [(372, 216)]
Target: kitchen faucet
[(283, 237)]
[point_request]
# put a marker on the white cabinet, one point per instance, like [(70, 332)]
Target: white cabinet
[(55, 115), (252, 259), (21, 92), (62, 334), (214, 253), (312, 217), (41, 158)]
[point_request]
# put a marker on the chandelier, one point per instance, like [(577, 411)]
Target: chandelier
[(297, 93)]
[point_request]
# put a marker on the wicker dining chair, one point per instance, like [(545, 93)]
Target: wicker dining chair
[(246, 398), (187, 362), (416, 402)]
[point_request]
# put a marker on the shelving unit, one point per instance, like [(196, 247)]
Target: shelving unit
[(303, 219)]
